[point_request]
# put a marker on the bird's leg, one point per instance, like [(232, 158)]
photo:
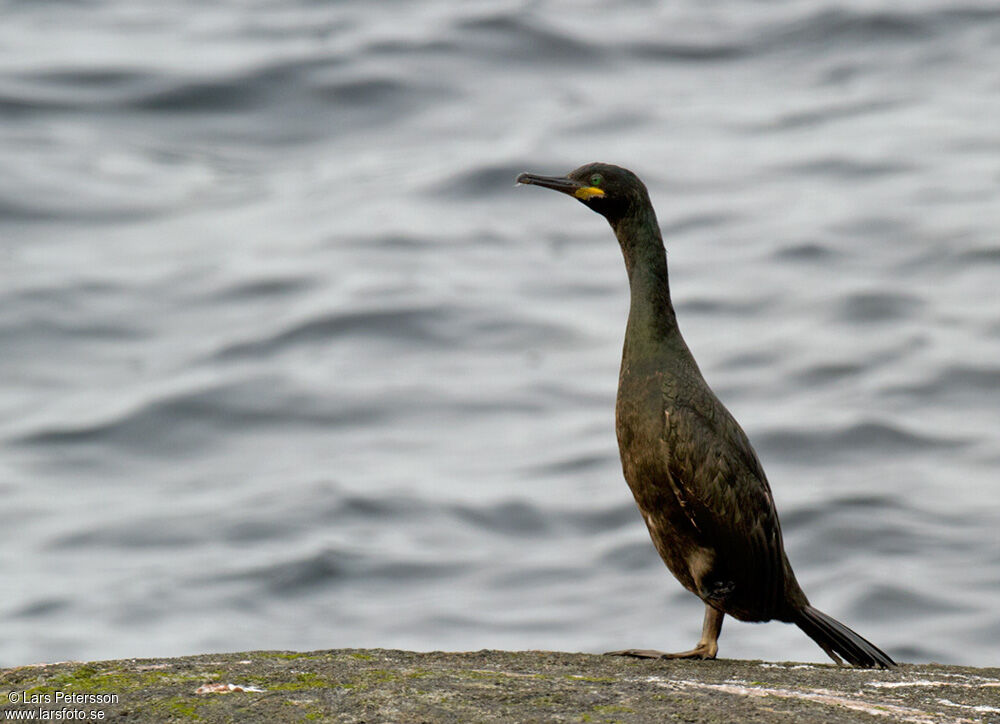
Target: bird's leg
[(707, 647)]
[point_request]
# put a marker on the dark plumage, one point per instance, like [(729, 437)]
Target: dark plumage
[(695, 477)]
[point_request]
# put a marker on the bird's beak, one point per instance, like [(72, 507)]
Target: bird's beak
[(561, 183)]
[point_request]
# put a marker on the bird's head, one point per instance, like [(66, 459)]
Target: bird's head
[(611, 191)]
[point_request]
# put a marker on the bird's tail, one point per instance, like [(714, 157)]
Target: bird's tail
[(839, 641)]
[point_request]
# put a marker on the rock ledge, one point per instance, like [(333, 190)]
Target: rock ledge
[(374, 685)]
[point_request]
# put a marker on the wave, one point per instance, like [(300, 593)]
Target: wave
[(187, 419), (297, 574), (411, 325), (878, 307), (960, 384), (879, 439), (847, 169), (479, 182), (822, 29), (512, 36), (432, 326), (323, 82)]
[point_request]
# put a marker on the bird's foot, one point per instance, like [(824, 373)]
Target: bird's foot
[(701, 651), (638, 653)]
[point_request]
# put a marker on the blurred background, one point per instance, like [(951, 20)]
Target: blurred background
[(286, 360)]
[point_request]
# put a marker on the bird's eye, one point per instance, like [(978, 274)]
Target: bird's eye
[(596, 180)]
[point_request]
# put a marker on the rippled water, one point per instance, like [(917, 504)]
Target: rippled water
[(288, 362)]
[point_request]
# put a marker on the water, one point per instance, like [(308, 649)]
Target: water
[(288, 362)]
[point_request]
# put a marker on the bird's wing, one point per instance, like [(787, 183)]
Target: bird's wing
[(716, 474)]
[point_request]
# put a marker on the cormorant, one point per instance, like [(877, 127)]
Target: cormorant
[(695, 477)]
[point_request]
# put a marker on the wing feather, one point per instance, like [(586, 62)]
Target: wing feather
[(721, 485)]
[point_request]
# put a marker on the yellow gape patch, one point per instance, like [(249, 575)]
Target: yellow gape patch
[(588, 192)]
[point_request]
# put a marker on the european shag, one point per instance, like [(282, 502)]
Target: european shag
[(696, 479)]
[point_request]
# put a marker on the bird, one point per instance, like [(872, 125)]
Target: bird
[(695, 477)]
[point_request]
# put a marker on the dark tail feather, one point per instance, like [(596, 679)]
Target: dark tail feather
[(839, 641)]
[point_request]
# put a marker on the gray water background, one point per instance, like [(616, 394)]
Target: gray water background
[(286, 361)]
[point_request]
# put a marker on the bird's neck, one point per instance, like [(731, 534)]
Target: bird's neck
[(651, 318)]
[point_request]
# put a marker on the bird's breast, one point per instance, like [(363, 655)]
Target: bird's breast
[(640, 423)]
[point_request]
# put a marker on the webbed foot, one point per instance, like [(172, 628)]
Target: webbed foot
[(707, 648), (701, 651), (638, 653)]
